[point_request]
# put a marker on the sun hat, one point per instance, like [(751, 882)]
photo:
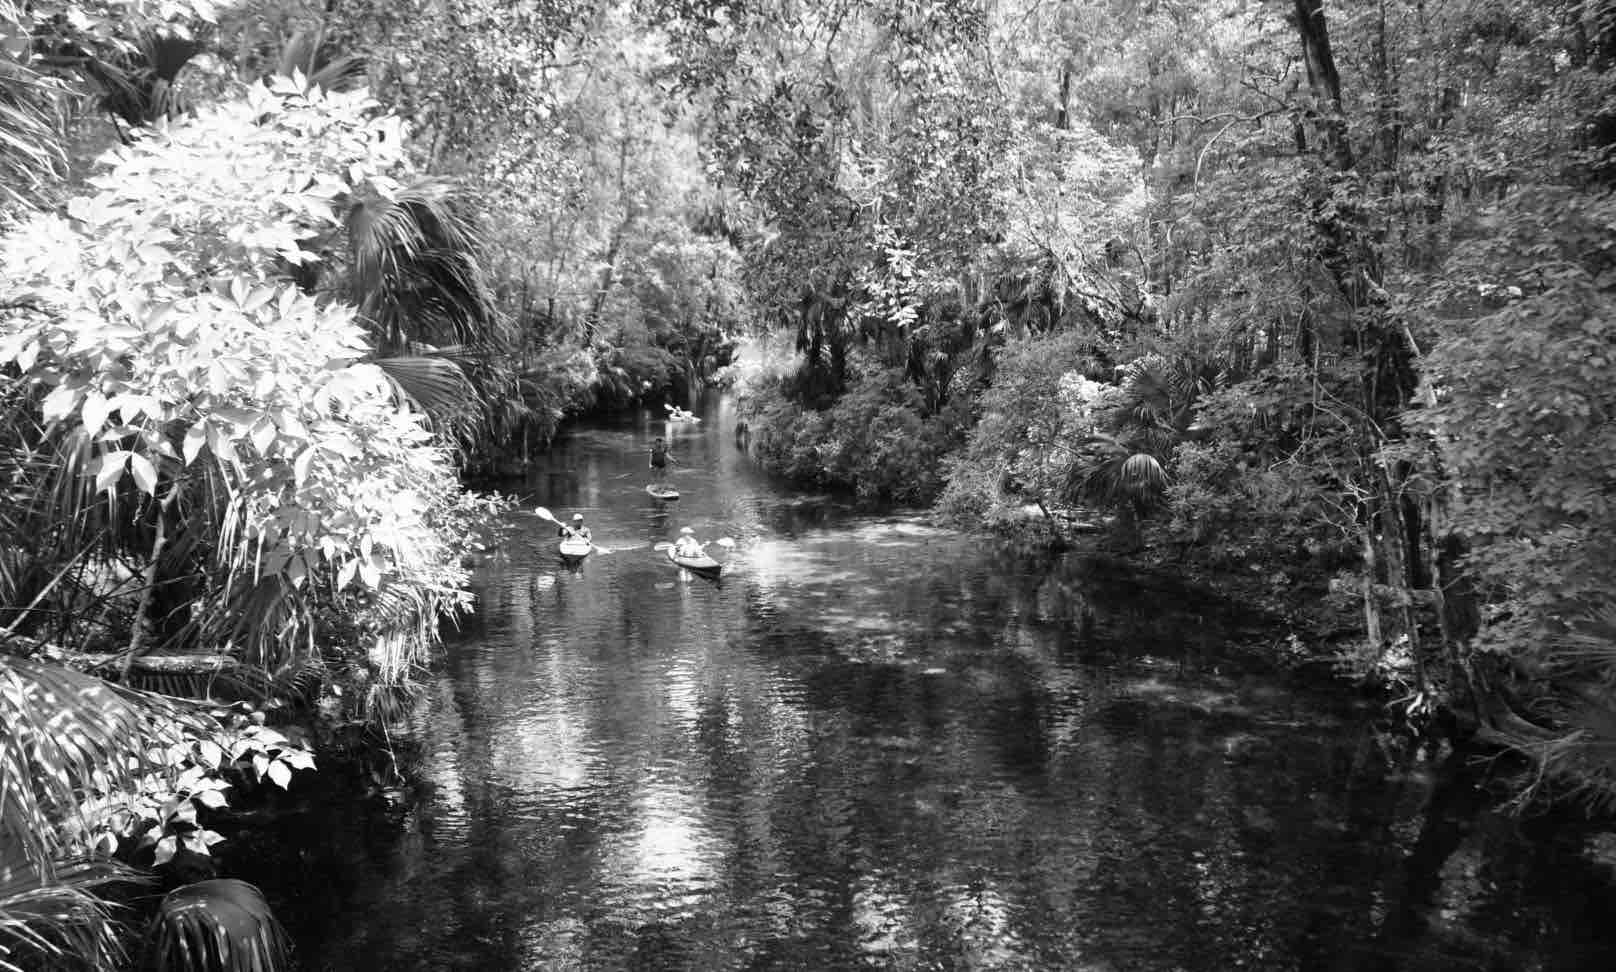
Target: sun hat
[(577, 516)]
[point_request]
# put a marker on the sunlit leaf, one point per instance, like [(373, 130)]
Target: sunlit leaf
[(144, 473), (167, 847), (112, 467), (280, 774)]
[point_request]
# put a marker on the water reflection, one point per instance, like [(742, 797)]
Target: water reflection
[(881, 745)]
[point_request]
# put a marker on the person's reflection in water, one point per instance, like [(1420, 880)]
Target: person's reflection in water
[(658, 518)]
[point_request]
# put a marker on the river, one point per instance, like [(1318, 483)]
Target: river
[(878, 744)]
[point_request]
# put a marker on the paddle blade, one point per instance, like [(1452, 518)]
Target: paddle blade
[(544, 514), (725, 542)]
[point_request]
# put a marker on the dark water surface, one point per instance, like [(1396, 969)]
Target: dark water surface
[(876, 744)]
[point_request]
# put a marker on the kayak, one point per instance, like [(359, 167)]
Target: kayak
[(662, 492), (699, 564), (575, 549)]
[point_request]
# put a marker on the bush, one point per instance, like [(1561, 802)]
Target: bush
[(1023, 447), (876, 439), (1231, 510)]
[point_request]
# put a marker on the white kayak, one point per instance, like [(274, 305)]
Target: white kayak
[(574, 549), (699, 564)]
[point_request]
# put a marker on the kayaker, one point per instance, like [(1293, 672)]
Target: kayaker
[(687, 545), (577, 529)]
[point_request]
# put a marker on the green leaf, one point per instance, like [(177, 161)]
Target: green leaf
[(263, 436), (144, 472), (94, 412), (112, 466), (302, 464), (59, 404), (280, 774), (166, 848), (195, 438)]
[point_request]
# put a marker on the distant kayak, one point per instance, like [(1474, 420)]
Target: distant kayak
[(699, 564), (662, 492), (575, 549)]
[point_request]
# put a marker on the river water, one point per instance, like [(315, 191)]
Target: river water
[(878, 744)]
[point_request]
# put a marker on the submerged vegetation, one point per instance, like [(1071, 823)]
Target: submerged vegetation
[(1319, 294)]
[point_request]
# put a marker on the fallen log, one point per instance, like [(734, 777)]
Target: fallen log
[(85, 661)]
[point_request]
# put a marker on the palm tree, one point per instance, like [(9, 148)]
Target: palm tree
[(140, 86), (1123, 469), (412, 266), (414, 272)]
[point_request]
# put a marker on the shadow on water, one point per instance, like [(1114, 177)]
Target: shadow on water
[(878, 744)]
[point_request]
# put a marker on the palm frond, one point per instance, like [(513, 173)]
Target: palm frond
[(1112, 474), (219, 925), (262, 618), (56, 918), (140, 87), (62, 735), (32, 113), (416, 270), (434, 385), (305, 52)]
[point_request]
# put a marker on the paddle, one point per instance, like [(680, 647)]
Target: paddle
[(545, 514), (724, 542)]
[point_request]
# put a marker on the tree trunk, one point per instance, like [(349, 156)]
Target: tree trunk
[(1348, 249), (1325, 82), (609, 272), (1062, 120), (148, 594)]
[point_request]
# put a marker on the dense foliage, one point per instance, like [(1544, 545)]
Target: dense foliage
[(1315, 293), (598, 233), (216, 481)]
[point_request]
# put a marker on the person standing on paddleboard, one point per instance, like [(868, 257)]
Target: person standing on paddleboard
[(577, 529), (659, 460)]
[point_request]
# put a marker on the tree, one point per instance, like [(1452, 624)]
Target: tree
[(179, 404)]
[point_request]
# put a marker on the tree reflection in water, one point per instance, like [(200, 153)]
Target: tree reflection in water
[(878, 744)]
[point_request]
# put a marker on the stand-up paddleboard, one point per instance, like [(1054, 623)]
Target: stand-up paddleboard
[(662, 492)]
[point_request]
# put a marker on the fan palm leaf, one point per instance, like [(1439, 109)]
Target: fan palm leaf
[(1112, 474), (140, 87), (305, 53), (219, 925), (436, 386), (416, 274)]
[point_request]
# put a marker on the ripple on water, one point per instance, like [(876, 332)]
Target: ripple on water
[(875, 745)]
